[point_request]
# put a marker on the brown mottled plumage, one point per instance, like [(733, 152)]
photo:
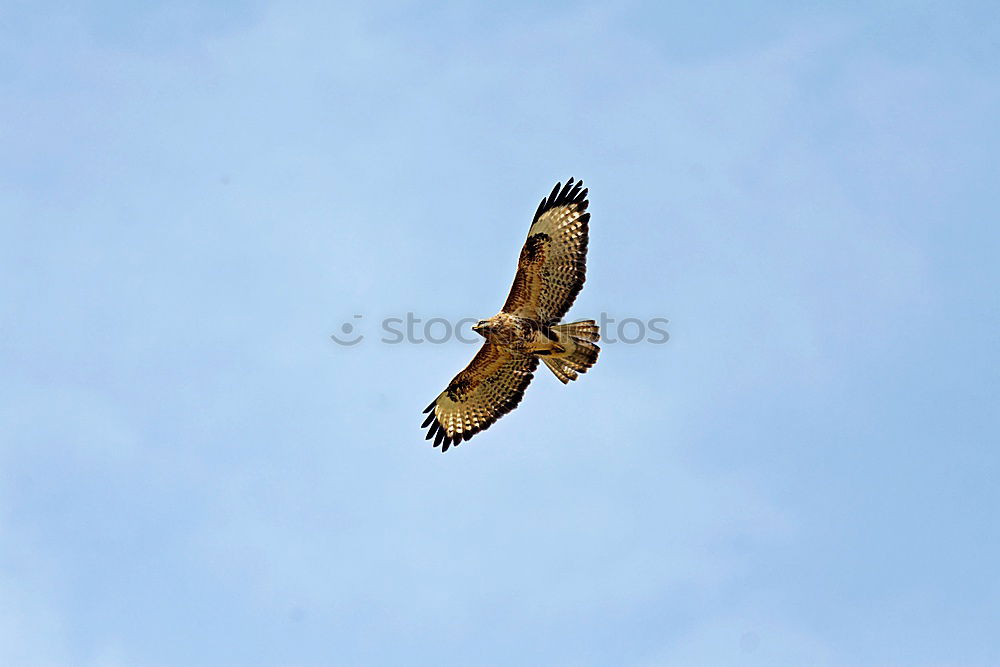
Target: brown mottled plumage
[(550, 273)]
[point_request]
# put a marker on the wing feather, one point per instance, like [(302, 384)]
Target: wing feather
[(490, 386), (552, 266)]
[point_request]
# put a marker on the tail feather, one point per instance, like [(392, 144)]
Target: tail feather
[(581, 353), (586, 329)]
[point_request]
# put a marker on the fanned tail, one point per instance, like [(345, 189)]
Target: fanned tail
[(579, 338)]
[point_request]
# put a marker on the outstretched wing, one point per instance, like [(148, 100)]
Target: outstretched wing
[(490, 386), (553, 262)]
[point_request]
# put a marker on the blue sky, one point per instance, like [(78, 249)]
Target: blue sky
[(193, 198)]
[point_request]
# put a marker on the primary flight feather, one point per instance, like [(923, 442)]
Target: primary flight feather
[(550, 273)]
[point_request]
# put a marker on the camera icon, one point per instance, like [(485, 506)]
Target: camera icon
[(347, 329)]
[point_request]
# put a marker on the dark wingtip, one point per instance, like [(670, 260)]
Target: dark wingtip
[(430, 407), (572, 192), (555, 191), (566, 189)]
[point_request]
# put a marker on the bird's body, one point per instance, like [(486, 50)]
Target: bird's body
[(519, 335), (550, 273), (552, 344)]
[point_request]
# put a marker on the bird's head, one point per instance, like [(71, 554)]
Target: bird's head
[(482, 327)]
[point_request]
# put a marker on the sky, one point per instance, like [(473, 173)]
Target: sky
[(194, 197)]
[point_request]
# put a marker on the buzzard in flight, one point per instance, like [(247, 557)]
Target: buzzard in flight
[(550, 273)]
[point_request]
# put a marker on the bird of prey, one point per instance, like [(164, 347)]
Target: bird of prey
[(550, 273)]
